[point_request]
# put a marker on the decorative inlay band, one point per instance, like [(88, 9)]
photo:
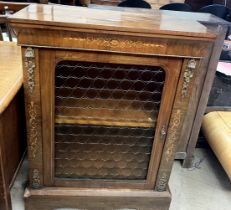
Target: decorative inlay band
[(30, 65), (36, 183), (32, 133), (117, 44), (188, 74), (170, 149)]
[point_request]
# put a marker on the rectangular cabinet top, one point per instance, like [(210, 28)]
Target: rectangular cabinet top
[(140, 23)]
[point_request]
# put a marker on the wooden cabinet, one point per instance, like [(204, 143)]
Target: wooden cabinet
[(12, 119), (107, 94)]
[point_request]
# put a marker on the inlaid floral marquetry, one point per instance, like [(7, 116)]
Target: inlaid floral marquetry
[(171, 144), (117, 44), (33, 132), (172, 134)]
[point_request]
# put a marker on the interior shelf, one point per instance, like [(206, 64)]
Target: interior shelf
[(96, 116), (107, 94)]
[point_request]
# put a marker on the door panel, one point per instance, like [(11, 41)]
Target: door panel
[(106, 114)]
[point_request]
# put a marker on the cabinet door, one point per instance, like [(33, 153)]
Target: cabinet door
[(104, 117)]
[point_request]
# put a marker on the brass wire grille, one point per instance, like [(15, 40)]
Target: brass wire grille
[(85, 151), (105, 118)]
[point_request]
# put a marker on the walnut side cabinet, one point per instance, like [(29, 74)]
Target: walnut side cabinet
[(106, 95)]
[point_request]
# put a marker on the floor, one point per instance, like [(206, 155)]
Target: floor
[(204, 187)]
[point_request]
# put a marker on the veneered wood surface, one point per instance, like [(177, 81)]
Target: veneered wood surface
[(12, 146), (146, 122), (86, 18), (91, 199), (33, 116), (10, 72), (190, 16), (207, 85), (179, 112), (172, 67), (193, 104), (216, 127), (115, 43)]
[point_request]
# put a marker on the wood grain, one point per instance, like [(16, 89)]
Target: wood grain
[(171, 67), (179, 112), (51, 198), (216, 127), (11, 73), (193, 104), (12, 146), (178, 44), (87, 18), (211, 69), (33, 115)]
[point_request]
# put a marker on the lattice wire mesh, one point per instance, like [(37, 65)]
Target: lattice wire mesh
[(105, 119)]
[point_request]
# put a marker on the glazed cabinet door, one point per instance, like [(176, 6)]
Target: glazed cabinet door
[(104, 117)]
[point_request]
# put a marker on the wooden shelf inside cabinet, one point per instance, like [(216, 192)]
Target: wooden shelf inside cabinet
[(107, 94), (123, 116), (147, 123)]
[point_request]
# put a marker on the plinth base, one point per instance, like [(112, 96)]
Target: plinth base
[(95, 199)]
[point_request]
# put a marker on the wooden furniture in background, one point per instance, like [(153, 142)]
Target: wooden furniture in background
[(12, 120), (216, 127), (107, 101), (7, 9)]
